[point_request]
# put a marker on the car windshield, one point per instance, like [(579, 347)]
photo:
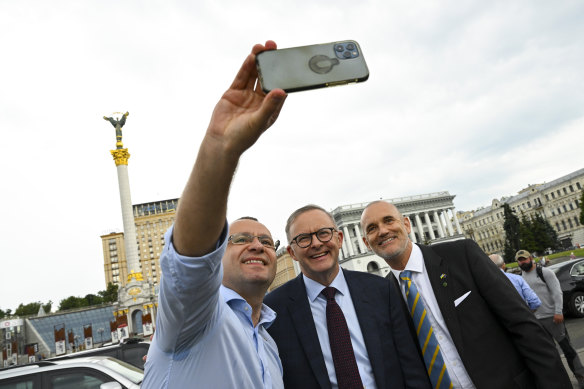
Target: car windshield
[(130, 372)]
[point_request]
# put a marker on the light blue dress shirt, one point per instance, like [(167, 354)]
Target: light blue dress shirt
[(204, 334), (318, 307), (533, 302)]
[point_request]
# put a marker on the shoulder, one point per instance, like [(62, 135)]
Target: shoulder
[(282, 292), (359, 276)]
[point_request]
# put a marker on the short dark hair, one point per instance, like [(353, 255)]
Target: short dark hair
[(300, 211)]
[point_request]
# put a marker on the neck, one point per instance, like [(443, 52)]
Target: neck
[(400, 261), (324, 278), (255, 298)]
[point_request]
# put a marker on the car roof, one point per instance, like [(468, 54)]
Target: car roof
[(564, 264)]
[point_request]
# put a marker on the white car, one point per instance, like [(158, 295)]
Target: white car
[(79, 373)]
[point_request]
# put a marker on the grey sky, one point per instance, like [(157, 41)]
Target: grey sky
[(477, 98)]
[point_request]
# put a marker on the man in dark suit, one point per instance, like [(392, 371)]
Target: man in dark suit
[(487, 335), (384, 350)]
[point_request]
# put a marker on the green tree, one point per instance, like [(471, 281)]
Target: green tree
[(93, 299), (582, 208), (527, 235), (28, 309), (511, 227), (72, 302), (110, 295), (2, 314)]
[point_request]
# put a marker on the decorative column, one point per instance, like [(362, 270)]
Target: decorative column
[(458, 229), (347, 237), (448, 223), (360, 239), (420, 228), (438, 224), (121, 156), (429, 224)]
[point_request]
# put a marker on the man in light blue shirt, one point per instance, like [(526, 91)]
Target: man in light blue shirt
[(525, 291), (211, 323)]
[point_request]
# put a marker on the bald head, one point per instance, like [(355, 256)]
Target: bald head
[(379, 204), (498, 260)]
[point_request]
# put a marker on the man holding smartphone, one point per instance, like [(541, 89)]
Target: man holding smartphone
[(210, 335)]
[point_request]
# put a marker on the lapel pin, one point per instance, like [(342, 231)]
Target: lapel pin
[(443, 279)]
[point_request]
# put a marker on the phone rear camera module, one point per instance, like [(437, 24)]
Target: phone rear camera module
[(346, 50)]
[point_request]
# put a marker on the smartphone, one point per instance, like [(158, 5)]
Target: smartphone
[(310, 67)]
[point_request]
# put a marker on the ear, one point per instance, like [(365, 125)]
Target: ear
[(340, 237), (291, 252), (366, 243), (407, 224)]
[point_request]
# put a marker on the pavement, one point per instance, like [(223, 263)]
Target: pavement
[(570, 374)]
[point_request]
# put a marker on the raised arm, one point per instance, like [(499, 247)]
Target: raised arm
[(240, 117)]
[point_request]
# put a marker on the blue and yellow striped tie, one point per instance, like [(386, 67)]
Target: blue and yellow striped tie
[(430, 347)]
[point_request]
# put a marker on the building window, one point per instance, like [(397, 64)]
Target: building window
[(558, 227), (565, 209), (553, 195), (576, 220), (565, 191), (564, 224), (547, 198), (578, 185), (571, 188), (570, 223)]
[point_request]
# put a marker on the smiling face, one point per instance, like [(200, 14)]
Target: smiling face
[(247, 267), (319, 261), (387, 233)]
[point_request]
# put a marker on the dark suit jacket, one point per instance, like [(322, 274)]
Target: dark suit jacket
[(500, 342), (392, 350)]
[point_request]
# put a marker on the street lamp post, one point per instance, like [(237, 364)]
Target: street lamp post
[(100, 330)]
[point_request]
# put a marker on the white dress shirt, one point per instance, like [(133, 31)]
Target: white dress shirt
[(456, 370), (318, 307)]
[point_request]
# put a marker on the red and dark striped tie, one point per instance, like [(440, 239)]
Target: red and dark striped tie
[(341, 347)]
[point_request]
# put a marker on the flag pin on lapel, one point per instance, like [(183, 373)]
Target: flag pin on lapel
[(443, 280)]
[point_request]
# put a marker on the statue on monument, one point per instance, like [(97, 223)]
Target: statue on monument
[(118, 124)]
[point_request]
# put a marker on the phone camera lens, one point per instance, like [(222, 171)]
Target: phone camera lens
[(347, 54), (350, 46), (339, 48)]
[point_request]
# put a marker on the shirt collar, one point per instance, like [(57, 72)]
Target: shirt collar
[(415, 262), (234, 300), (314, 288)]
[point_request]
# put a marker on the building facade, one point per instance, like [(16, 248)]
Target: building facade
[(151, 222), (557, 201)]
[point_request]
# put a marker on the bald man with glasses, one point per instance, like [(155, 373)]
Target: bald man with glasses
[(211, 323)]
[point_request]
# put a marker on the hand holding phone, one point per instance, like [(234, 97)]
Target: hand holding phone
[(310, 67)]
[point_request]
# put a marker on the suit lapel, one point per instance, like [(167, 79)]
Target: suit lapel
[(364, 308), (303, 322), (436, 267)]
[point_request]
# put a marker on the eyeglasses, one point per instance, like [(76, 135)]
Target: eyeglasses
[(323, 235), (243, 238)]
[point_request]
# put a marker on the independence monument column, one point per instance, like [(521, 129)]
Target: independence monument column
[(136, 295), (121, 156)]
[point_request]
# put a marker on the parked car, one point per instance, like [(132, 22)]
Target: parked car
[(86, 373), (571, 277), (131, 351)]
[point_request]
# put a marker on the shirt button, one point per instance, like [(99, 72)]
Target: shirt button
[(246, 308)]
